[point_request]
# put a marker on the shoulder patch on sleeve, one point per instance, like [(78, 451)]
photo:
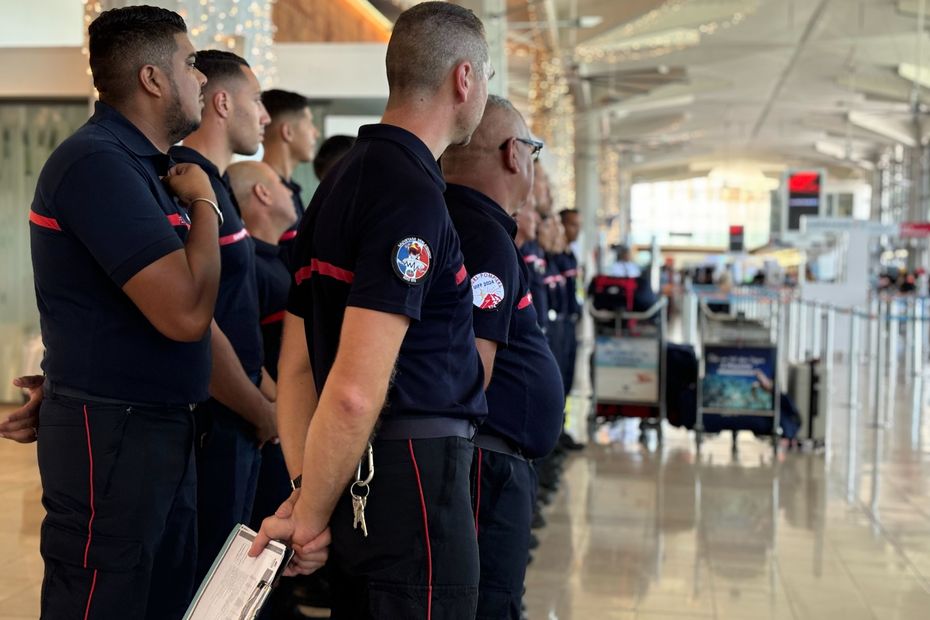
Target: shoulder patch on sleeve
[(487, 291), (411, 259)]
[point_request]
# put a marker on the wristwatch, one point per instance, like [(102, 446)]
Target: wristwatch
[(295, 483)]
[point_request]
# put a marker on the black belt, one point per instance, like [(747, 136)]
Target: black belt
[(52, 389), (495, 443), (425, 428)]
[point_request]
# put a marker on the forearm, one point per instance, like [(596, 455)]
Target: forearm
[(231, 386), (296, 404), (203, 258), (338, 434), (297, 394)]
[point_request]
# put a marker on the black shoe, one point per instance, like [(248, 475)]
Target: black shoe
[(538, 521), (566, 441)]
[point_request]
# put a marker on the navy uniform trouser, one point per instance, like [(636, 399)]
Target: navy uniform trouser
[(118, 484), (228, 462), (504, 487), (569, 351), (420, 559)]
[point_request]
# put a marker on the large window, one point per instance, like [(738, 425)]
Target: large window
[(698, 213)]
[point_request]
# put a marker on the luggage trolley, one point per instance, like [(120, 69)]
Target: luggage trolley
[(628, 365), (738, 373)]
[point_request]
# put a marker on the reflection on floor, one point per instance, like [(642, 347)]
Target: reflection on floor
[(636, 532), (667, 534)]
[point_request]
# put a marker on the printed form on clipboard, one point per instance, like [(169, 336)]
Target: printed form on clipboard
[(236, 586)]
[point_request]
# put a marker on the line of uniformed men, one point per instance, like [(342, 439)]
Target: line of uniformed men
[(159, 339)]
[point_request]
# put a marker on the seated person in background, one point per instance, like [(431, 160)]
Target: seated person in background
[(624, 267)]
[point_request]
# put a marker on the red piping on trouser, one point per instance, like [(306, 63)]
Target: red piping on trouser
[(90, 522), (429, 550)]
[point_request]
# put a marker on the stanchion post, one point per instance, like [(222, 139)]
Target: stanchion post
[(852, 437), (891, 375), (910, 312), (816, 332), (917, 342), (876, 376), (827, 382)]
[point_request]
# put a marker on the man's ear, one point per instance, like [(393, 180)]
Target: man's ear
[(463, 80), (221, 102), (261, 192), (153, 80), (509, 157), (287, 132)]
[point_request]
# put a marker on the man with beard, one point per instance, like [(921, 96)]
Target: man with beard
[(374, 338), (489, 183), (239, 417), (126, 283)]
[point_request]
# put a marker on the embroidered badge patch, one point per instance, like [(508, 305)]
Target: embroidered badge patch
[(487, 291), (411, 259)]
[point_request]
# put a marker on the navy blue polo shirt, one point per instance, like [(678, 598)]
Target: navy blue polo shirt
[(237, 302), (274, 282), (378, 236), (567, 265), (286, 242), (533, 258), (100, 215), (525, 396)]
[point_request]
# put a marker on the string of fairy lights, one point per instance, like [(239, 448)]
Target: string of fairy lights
[(241, 26)]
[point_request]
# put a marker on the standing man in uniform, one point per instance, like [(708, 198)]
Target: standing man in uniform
[(239, 417), (389, 346), (290, 140), (125, 283), (568, 265), (490, 181)]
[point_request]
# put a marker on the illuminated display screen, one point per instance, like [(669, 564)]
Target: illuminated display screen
[(803, 196)]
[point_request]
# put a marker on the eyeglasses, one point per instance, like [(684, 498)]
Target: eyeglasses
[(536, 145)]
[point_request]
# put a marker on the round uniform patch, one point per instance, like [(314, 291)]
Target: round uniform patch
[(487, 291), (411, 259)]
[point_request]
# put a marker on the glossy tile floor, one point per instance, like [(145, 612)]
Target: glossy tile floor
[(638, 532), (648, 533)]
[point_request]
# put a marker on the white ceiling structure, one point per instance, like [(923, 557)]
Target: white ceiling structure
[(683, 85)]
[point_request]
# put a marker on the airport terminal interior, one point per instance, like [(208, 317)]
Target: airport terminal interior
[(744, 186)]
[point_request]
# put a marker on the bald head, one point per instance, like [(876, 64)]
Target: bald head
[(245, 175), (498, 161), (501, 121), (266, 202)]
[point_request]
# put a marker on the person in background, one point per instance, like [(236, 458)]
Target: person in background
[(290, 140), (624, 267), (378, 340), (126, 281), (486, 187), (240, 415), (331, 152)]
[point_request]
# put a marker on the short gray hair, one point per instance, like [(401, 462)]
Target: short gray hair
[(429, 39)]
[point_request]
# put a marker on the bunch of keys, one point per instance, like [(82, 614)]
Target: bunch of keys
[(359, 500)]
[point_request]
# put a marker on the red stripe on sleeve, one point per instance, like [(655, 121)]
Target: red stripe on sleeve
[(175, 219), (45, 222), (234, 238), (324, 269), (277, 317)]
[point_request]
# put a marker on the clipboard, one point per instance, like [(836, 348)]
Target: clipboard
[(237, 586)]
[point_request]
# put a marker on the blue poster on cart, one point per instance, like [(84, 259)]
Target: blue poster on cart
[(739, 379)]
